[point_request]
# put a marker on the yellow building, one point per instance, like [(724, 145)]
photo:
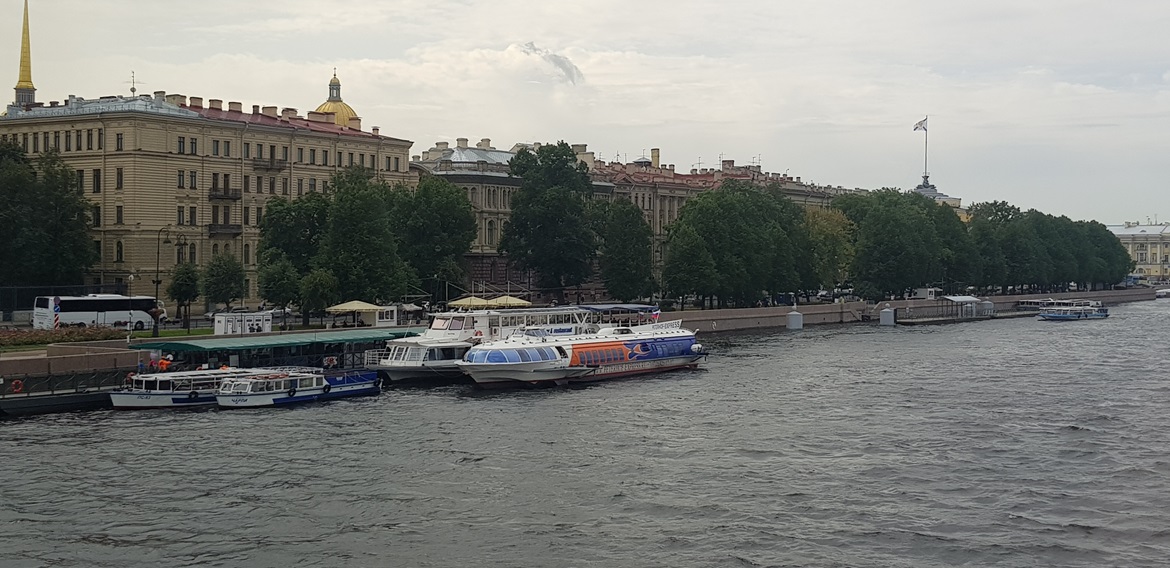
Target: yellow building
[(1149, 247), (175, 179)]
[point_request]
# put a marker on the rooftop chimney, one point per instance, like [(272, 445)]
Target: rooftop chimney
[(315, 116), (442, 145), (255, 109), (196, 102), (374, 130), (485, 144), (288, 112), (355, 123), (160, 95), (268, 111), (728, 164), (654, 157), (177, 99), (235, 106), (461, 142), (215, 104)]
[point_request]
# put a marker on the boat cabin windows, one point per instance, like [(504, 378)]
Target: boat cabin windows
[(512, 355), (440, 323)]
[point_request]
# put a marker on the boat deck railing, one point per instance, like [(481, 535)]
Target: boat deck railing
[(13, 386)]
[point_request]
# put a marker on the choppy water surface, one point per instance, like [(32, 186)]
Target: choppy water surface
[(1003, 443)]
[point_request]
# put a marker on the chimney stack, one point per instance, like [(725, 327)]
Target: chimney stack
[(374, 130), (196, 102), (355, 123), (177, 99), (235, 106), (215, 104), (160, 96), (268, 111), (485, 144), (287, 113), (461, 142), (654, 153), (255, 109)]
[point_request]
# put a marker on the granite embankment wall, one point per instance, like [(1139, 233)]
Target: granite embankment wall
[(852, 312)]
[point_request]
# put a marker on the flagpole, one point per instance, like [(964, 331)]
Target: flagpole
[(925, 149)]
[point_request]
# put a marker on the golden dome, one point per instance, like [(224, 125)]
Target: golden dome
[(341, 111)]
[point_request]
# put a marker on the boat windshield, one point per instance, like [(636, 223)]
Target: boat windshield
[(440, 323)]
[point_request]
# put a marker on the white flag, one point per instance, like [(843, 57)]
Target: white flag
[(920, 125)]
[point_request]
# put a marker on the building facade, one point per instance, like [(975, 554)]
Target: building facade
[(1148, 246)]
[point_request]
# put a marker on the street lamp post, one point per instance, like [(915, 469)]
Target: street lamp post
[(157, 272)]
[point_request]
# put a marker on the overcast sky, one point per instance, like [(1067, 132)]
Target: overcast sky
[(1058, 105)]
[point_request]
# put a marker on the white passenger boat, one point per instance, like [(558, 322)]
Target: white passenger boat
[(1074, 313), (178, 389), (434, 354), (292, 385), (1163, 293), (533, 357)]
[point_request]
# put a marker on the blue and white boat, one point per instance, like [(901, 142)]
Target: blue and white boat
[(294, 385), (1073, 313), (175, 390)]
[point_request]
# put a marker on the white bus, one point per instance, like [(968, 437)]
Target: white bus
[(106, 310)]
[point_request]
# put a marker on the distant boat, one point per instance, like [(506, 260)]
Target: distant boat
[(1163, 293), (175, 390), (293, 385)]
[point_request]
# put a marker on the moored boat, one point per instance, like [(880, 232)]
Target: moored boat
[(1074, 313), (434, 355), (293, 385), (533, 357), (175, 390)]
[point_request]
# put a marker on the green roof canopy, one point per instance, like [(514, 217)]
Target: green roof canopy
[(246, 342)]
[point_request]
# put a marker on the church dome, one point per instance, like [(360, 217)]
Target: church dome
[(341, 112)]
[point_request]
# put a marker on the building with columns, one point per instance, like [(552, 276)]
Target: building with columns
[(1148, 246), (174, 179)]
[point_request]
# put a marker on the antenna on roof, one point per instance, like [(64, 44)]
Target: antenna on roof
[(757, 159), (133, 83), (699, 164)]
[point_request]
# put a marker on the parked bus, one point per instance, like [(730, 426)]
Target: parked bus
[(106, 310)]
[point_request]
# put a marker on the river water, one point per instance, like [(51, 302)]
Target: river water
[(1000, 443)]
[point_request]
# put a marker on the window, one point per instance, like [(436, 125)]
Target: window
[(272, 151), (191, 220), (24, 141), (77, 139), (182, 144), (214, 181), (180, 185), (68, 142), (247, 216), (284, 186), (227, 214), (215, 147), (284, 153), (89, 139), (56, 140), (491, 234), (97, 248), (214, 214), (271, 185), (227, 148), (387, 162), (227, 185), (180, 254), (247, 254), (247, 150), (312, 156), (397, 164), (96, 216), (118, 251), (325, 185), (312, 185), (80, 180), (36, 143), (339, 162), (259, 184), (118, 215), (259, 216), (351, 158), (101, 138), (46, 139), (247, 184), (179, 219), (194, 144), (191, 252), (118, 139), (362, 160), (300, 186), (300, 155), (215, 250), (192, 177), (324, 158), (97, 181), (118, 178)]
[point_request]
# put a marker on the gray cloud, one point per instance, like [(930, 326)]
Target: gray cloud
[(569, 71)]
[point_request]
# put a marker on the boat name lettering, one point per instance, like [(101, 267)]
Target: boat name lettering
[(239, 400), (561, 330), (143, 397)]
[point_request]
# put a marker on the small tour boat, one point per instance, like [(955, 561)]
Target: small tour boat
[(178, 389), (1074, 313), (293, 385), (533, 357), (1163, 293)]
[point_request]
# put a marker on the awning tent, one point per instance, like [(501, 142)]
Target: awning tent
[(470, 302), (411, 308), (509, 302), (353, 306)]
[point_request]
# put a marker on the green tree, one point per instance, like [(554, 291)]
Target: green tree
[(436, 226), (223, 280), (689, 267), (548, 231), (318, 291), (831, 243), (625, 255), (294, 229), (279, 282), (46, 220), (184, 289), (360, 246)]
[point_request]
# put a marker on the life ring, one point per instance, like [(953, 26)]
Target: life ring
[(478, 333), (17, 386), (291, 392), (325, 389), (193, 395)]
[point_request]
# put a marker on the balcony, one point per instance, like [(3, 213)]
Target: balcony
[(223, 193), (225, 229), (269, 164)]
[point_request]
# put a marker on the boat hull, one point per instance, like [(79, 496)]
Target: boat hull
[(495, 378), (132, 399), (408, 373), (1071, 317)]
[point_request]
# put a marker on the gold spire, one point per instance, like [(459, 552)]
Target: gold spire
[(25, 81)]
